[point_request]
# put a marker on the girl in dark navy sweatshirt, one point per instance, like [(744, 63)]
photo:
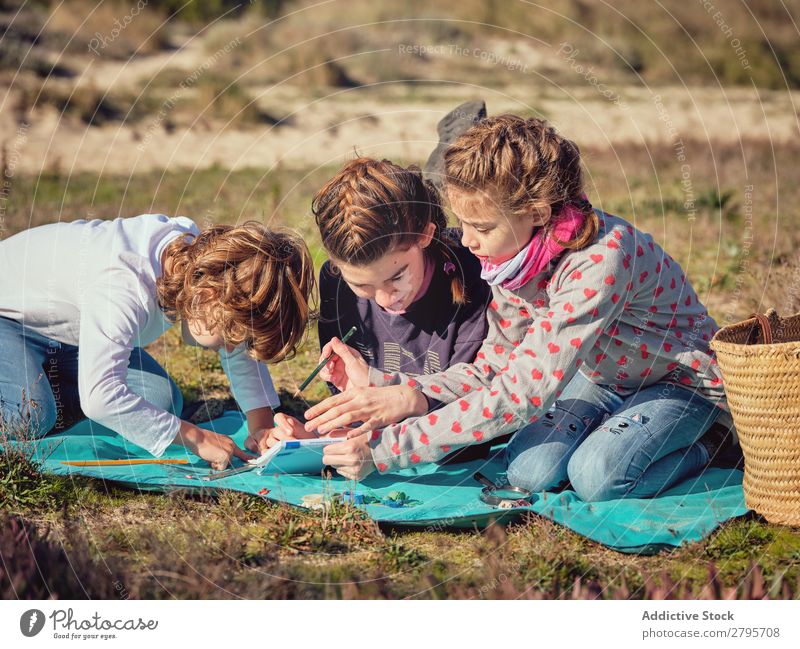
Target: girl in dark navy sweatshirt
[(412, 291)]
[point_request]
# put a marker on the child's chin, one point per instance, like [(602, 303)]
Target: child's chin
[(402, 305)]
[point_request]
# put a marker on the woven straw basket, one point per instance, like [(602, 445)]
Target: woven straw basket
[(760, 363)]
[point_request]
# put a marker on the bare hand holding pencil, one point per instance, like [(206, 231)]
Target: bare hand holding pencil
[(345, 368)]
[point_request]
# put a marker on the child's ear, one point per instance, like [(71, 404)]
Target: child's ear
[(427, 235), (542, 215), (186, 334)]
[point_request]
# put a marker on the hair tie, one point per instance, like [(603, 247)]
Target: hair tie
[(449, 268)]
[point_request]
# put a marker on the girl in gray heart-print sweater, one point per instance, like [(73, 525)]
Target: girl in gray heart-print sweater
[(597, 347)]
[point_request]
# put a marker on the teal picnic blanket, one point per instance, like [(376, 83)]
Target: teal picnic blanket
[(438, 496)]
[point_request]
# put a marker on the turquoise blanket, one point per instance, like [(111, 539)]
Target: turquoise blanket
[(438, 496)]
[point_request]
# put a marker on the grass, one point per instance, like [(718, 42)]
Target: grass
[(233, 545), (22, 485), (92, 538)]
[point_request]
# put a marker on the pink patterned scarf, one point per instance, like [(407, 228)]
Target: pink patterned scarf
[(534, 257)]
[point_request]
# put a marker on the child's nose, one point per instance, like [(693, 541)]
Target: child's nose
[(468, 240)]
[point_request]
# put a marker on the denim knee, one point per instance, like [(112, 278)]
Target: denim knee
[(520, 474), (594, 476), (151, 382), (163, 393), (536, 457), (160, 390), (597, 473), (176, 398)]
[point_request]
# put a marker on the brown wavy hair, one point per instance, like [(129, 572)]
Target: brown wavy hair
[(528, 164), (372, 207), (250, 284)]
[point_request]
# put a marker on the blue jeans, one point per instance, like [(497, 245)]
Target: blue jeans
[(39, 381), (647, 443)]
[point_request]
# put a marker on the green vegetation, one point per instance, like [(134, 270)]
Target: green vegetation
[(126, 544), (725, 211)]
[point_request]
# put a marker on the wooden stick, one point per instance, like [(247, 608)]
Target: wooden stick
[(123, 462)]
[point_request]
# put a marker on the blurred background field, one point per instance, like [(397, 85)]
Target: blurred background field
[(225, 111)]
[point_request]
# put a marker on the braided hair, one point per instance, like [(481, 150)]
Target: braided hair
[(372, 207), (528, 164)]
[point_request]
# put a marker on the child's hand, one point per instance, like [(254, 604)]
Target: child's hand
[(288, 428), (214, 448), (343, 432), (352, 459), (375, 407), (258, 440), (347, 369)]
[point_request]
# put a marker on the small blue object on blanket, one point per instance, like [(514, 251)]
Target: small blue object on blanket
[(435, 497)]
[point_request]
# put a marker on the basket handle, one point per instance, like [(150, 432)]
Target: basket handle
[(766, 327)]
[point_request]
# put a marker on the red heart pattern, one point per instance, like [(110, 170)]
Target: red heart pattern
[(622, 289)]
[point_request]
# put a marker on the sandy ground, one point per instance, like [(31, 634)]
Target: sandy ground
[(393, 120)]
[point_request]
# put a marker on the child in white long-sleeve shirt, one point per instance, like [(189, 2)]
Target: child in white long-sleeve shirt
[(79, 301)]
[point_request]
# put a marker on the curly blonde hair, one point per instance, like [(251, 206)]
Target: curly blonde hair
[(248, 283), (372, 207), (528, 164)]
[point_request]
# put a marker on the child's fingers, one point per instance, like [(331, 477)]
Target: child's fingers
[(344, 419), (327, 349), (331, 369), (278, 435), (367, 427), (323, 408), (285, 422), (334, 460), (334, 454), (280, 421), (344, 352), (297, 428), (336, 417), (338, 432), (294, 431), (334, 372), (237, 452), (348, 474)]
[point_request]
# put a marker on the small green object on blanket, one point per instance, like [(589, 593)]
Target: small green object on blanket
[(396, 499)]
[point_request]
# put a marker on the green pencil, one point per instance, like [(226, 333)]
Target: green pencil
[(319, 367)]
